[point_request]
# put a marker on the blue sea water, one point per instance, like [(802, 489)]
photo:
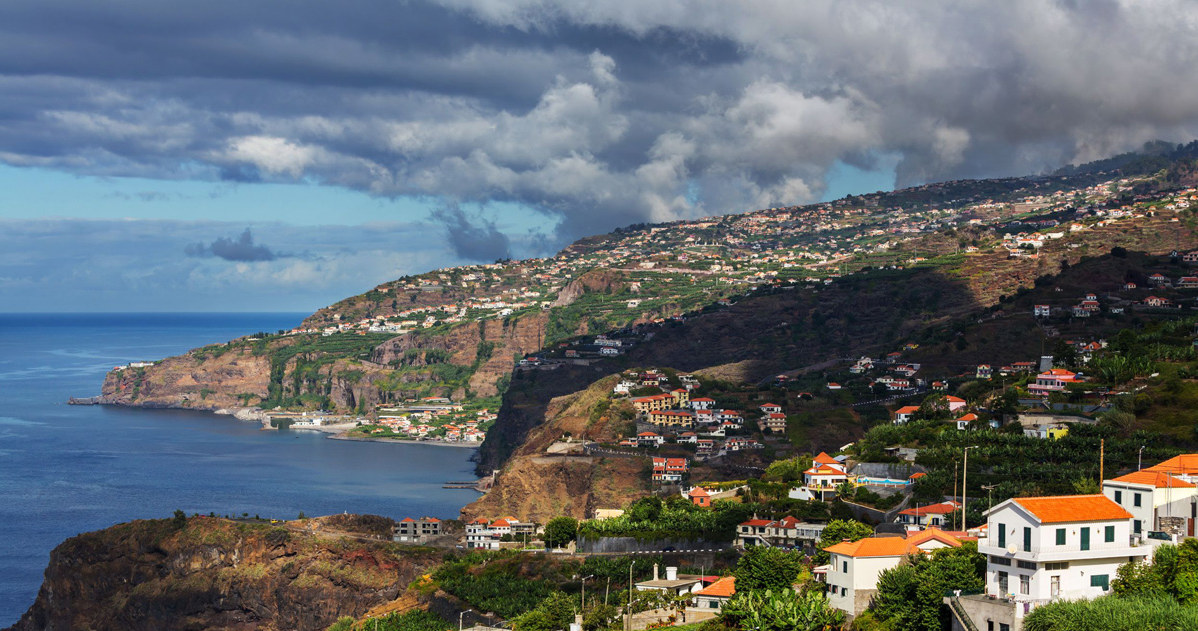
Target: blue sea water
[(70, 469)]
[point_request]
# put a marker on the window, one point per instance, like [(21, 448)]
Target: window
[(1110, 534), (1027, 565), (1059, 565), (1118, 497), (1002, 583), (1100, 580), (1136, 526), (1002, 626), (1060, 536), (1002, 536), (989, 625), (844, 591), (1085, 532), (1135, 499), (1027, 539), (1025, 584), (844, 567), (1000, 561)]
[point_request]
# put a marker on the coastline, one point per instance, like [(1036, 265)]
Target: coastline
[(400, 441)]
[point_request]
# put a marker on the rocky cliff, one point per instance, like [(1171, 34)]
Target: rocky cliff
[(310, 371), (210, 573)]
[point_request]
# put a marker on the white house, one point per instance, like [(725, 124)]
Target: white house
[(854, 567), (1156, 501), (702, 403), (713, 597), (1041, 549), (931, 515)]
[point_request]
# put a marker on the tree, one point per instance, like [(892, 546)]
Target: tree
[(780, 610), (934, 408), (554, 613), (839, 530), (560, 531), (911, 596), (767, 568), (180, 520)]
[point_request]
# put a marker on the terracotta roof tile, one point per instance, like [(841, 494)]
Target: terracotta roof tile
[(824, 458), (873, 547), (1067, 508), (1185, 464), (1156, 479), (723, 588)]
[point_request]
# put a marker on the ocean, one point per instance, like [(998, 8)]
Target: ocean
[(71, 469)]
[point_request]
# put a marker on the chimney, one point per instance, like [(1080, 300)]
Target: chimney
[(655, 571), (671, 573)]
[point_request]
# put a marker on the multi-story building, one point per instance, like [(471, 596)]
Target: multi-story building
[(1157, 501), (785, 532), (1041, 549), (416, 530), (854, 567)]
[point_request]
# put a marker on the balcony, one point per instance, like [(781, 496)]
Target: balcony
[(1068, 552)]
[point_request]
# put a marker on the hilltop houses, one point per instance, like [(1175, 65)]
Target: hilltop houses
[(937, 515), (785, 532), (669, 470)]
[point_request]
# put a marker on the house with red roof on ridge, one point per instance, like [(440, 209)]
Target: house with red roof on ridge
[(669, 470), (699, 496), (1053, 380), (931, 515), (905, 414), (767, 408)]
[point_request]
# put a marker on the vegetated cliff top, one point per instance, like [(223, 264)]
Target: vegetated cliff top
[(211, 573)]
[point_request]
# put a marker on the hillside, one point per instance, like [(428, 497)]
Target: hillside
[(210, 573), (767, 291)]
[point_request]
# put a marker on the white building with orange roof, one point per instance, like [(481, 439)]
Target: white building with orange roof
[(1041, 549), (1156, 500), (713, 597), (905, 414), (854, 566), (932, 515)]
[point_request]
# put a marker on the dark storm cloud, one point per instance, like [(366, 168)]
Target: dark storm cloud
[(241, 249), (594, 114), (473, 238)]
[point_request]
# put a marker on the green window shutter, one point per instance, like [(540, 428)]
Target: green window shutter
[(1110, 534), (1027, 539), (1002, 535), (1100, 580), (1085, 532), (1060, 536)]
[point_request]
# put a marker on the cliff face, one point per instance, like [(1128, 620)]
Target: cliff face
[(538, 485), (215, 574), (244, 374)]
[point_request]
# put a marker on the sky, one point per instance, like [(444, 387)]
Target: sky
[(283, 154)]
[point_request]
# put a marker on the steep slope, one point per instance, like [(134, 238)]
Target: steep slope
[(212, 573)]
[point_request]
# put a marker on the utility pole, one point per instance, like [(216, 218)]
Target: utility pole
[(989, 495), (1101, 459), (964, 485), (954, 492), (1139, 459)]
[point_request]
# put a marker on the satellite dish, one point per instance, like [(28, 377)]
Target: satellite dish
[(1012, 549)]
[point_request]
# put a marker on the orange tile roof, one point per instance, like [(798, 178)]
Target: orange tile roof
[(951, 399), (873, 547), (723, 588), (1067, 508), (1155, 479), (907, 409), (699, 491), (1185, 464), (969, 417), (934, 534), (824, 458), (943, 508)]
